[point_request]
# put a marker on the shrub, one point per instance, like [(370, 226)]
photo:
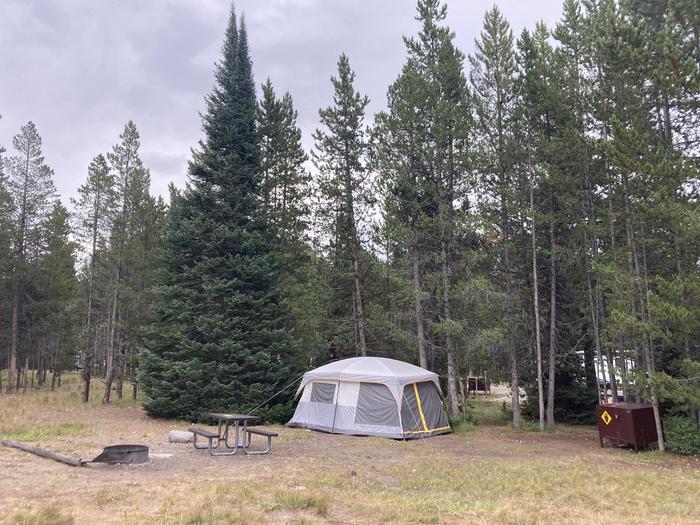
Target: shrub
[(682, 435)]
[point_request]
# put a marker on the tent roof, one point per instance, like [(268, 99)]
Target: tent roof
[(371, 369)]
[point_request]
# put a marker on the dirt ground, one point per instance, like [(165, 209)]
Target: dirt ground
[(489, 474)]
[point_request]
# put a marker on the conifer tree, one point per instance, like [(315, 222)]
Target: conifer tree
[(144, 230), (220, 338), (31, 188), (6, 210), (340, 156), (399, 135), (285, 182), (492, 80), (426, 163), (95, 208), (56, 302), (131, 181)]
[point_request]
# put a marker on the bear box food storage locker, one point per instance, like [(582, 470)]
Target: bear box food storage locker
[(626, 423)]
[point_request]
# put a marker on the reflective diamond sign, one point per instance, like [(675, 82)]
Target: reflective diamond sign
[(606, 417)]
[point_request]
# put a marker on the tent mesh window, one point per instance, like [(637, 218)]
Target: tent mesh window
[(322, 393), (376, 406)]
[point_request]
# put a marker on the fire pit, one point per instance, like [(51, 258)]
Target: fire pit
[(123, 454)]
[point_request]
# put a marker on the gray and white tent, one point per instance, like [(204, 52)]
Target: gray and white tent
[(371, 396)]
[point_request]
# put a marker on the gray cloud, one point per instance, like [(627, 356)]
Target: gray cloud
[(81, 68)]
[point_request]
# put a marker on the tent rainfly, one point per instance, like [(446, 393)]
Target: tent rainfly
[(371, 396)]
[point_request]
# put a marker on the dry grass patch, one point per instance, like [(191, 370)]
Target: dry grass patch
[(111, 496), (43, 432), (485, 473), (542, 490), (292, 434), (51, 514), (297, 499)]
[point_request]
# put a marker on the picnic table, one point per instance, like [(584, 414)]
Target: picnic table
[(225, 421)]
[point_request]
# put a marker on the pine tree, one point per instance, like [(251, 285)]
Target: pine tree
[(6, 234), (31, 188), (409, 195), (95, 208), (492, 80), (220, 338), (56, 303), (144, 228), (131, 178), (340, 156), (425, 157)]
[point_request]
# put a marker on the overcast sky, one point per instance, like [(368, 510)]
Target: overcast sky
[(81, 68)]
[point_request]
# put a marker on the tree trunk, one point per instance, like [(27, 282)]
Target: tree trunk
[(24, 375), (649, 357), (12, 358), (133, 382), (452, 401), (536, 307), (418, 292), (109, 372), (86, 378), (359, 313), (552, 321), (514, 382), (43, 453), (600, 370), (88, 323), (119, 389)]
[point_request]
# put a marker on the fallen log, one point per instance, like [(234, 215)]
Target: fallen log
[(43, 453)]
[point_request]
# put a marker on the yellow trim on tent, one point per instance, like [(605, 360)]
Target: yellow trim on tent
[(423, 431), (420, 408)]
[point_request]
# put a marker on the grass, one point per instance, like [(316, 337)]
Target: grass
[(44, 515), (519, 491), (299, 500), (487, 472), (69, 394), (43, 432), (295, 434), (111, 496)]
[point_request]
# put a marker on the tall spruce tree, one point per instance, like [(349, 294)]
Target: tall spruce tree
[(285, 182), (221, 337)]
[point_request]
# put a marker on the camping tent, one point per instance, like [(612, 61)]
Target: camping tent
[(371, 396)]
